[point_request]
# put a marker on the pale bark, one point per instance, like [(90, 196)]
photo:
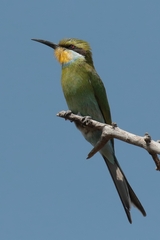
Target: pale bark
[(112, 131)]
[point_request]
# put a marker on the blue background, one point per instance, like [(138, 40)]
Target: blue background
[(47, 188)]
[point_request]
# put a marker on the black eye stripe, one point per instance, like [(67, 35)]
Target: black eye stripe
[(71, 47), (80, 51), (76, 49)]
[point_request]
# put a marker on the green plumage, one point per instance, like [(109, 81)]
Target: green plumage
[(85, 95), (82, 87)]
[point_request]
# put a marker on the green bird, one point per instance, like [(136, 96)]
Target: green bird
[(85, 95)]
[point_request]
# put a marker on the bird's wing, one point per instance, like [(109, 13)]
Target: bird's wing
[(101, 97)]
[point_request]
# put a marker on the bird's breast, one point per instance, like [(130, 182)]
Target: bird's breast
[(79, 93)]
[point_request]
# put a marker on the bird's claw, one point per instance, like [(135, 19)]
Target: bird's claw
[(86, 120), (114, 125)]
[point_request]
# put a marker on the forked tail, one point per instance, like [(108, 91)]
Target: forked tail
[(124, 189)]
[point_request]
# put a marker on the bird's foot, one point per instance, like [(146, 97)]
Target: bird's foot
[(114, 125), (86, 120)]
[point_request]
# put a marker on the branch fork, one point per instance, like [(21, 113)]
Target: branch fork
[(112, 131)]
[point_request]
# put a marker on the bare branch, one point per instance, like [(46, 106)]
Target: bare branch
[(112, 131)]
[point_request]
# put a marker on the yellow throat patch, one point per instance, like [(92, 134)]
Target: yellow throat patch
[(62, 55)]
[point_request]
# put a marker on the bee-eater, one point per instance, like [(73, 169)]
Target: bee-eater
[(85, 95)]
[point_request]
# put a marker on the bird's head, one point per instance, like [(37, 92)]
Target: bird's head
[(70, 49)]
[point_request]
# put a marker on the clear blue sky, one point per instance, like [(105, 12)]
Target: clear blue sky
[(48, 190)]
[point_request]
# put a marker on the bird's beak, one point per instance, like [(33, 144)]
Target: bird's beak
[(50, 44)]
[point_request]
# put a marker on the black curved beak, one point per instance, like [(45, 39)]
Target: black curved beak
[(50, 44)]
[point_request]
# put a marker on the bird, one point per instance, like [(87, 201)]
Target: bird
[(85, 95)]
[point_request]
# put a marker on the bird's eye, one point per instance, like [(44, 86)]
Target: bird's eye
[(71, 46)]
